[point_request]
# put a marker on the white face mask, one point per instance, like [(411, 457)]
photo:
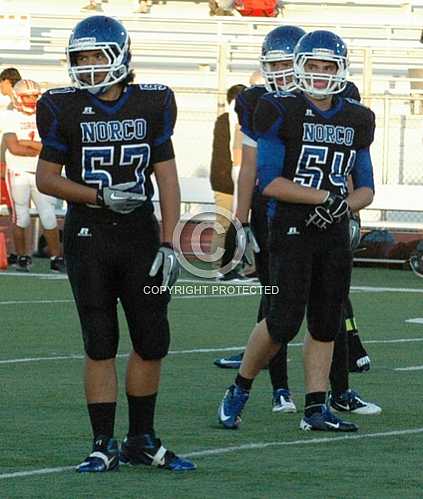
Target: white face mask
[(277, 79), (84, 76), (306, 81)]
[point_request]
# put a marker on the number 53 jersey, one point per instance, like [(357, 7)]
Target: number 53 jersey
[(104, 143), (313, 148)]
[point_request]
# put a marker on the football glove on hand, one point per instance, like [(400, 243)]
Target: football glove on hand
[(331, 210), (245, 240), (119, 198), (167, 261), (355, 235)]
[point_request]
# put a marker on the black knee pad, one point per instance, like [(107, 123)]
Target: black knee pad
[(152, 343), (100, 348), (325, 323), (324, 338), (325, 333), (279, 332)]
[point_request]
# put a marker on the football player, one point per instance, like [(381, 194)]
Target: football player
[(277, 68), (111, 136), (23, 147), (309, 143), (8, 78)]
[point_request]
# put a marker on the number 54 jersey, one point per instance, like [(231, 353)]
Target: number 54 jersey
[(314, 148), (104, 143)]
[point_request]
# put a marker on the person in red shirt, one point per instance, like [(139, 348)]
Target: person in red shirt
[(253, 8)]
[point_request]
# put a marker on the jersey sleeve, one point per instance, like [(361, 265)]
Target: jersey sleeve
[(244, 109), (268, 118), (367, 129), (167, 119), (362, 172), (268, 121), (55, 148), (162, 145)]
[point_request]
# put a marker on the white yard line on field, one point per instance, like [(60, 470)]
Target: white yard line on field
[(245, 447), (34, 302), (179, 297), (417, 320), (218, 291), (185, 352), (411, 368), (368, 289)]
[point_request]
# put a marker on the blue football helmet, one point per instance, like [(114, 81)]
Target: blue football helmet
[(278, 45), (110, 37), (323, 46)]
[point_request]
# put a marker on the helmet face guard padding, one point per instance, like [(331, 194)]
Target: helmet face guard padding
[(278, 46), (26, 88), (87, 37), (325, 46)]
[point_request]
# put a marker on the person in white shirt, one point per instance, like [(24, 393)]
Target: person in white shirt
[(8, 78), (23, 147)]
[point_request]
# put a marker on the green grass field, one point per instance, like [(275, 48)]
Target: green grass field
[(44, 428)]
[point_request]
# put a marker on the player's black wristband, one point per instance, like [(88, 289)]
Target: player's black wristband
[(167, 245)]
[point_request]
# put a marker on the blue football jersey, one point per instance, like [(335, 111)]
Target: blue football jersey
[(104, 143)]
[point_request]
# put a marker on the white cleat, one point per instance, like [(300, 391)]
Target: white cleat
[(282, 402)]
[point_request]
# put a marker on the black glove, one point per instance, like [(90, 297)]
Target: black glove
[(119, 198), (336, 205), (167, 261), (247, 243), (331, 210)]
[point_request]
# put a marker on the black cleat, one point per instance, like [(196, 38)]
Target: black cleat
[(23, 263), (12, 259), (324, 420), (57, 264), (148, 450), (104, 456), (350, 401)]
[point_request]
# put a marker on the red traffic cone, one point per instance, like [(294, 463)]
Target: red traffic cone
[(3, 252)]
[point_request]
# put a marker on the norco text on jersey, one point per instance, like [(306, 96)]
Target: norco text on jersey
[(330, 134), (109, 131)]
